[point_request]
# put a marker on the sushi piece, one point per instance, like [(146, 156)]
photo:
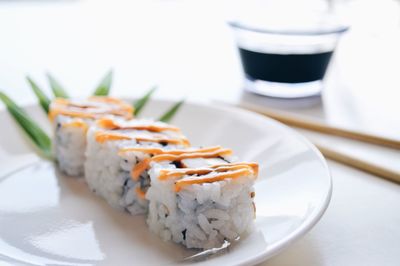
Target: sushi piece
[(117, 158), (200, 199), (71, 119)]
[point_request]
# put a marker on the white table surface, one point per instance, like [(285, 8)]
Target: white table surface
[(186, 48)]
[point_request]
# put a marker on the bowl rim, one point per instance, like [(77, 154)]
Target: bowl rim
[(339, 29)]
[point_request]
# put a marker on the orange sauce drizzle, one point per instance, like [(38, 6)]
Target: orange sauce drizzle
[(157, 151), (110, 124), (173, 157), (89, 109), (211, 152), (102, 137), (108, 99), (213, 178), (178, 173), (78, 123), (209, 174), (139, 168), (254, 166), (182, 141), (54, 111), (141, 194)]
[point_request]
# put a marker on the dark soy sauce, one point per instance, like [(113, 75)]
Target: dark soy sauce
[(285, 68)]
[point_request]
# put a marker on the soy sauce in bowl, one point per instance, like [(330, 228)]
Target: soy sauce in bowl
[(284, 68)]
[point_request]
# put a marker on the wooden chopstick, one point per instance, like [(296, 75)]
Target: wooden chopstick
[(297, 121), (359, 164), (310, 124)]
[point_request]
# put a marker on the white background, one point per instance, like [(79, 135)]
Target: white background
[(187, 48)]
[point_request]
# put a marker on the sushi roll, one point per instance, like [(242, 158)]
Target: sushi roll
[(117, 158), (71, 119), (200, 198)]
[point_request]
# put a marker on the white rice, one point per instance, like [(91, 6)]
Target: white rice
[(69, 145), (200, 215), (108, 173), (70, 140)]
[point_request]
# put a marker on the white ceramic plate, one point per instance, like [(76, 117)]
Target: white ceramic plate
[(49, 219)]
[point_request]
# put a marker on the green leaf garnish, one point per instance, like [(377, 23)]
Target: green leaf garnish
[(56, 87), (139, 104), (168, 115), (42, 97), (36, 134), (103, 89)]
